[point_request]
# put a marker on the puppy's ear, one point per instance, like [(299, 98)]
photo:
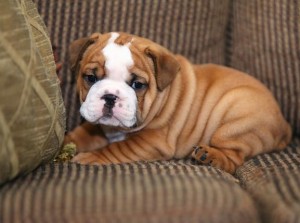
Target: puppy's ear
[(77, 49), (165, 64)]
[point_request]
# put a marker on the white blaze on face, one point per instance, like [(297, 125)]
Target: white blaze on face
[(118, 61)]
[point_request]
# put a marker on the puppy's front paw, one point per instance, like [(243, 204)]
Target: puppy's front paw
[(86, 158)]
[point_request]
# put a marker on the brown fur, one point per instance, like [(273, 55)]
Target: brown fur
[(228, 115)]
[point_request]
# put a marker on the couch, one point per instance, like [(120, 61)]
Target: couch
[(260, 37)]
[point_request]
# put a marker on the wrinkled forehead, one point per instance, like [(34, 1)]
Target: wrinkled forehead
[(117, 53), (118, 58)]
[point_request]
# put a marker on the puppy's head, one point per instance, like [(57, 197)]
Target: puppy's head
[(119, 77)]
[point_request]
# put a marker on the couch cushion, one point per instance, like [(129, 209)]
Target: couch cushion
[(31, 108), (174, 191), (194, 28), (265, 43), (273, 181)]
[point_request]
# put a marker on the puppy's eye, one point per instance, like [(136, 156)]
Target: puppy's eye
[(136, 85), (90, 79)]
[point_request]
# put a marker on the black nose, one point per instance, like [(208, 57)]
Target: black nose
[(109, 99)]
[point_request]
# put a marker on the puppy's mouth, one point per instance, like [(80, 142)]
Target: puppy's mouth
[(107, 112), (110, 120)]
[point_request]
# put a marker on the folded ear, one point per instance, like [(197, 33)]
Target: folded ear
[(165, 64), (77, 49)]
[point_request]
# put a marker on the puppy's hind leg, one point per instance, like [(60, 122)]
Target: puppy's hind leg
[(232, 142), (217, 158)]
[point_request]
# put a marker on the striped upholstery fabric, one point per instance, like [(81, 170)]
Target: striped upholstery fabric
[(265, 42), (174, 191), (273, 180), (190, 27)]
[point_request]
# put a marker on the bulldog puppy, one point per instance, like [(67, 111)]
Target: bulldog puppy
[(168, 107)]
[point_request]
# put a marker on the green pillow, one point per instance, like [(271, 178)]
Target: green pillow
[(32, 116)]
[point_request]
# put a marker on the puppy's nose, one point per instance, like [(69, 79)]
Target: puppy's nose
[(109, 99)]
